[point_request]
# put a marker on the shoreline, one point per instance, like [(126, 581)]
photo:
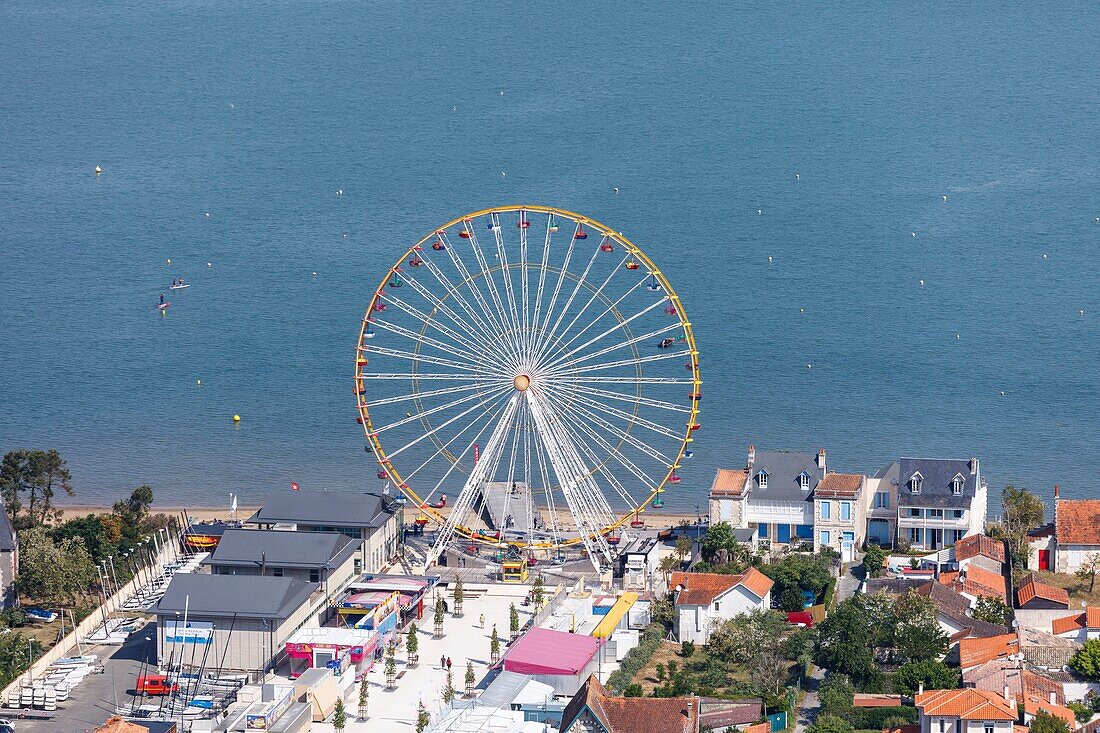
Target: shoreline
[(652, 518)]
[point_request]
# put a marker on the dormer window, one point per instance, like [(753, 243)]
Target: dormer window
[(804, 481), (915, 483), (762, 479), (957, 484)]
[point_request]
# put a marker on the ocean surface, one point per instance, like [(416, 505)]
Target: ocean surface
[(776, 160)]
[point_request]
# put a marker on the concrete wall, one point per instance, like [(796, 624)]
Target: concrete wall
[(9, 568), (1068, 558)]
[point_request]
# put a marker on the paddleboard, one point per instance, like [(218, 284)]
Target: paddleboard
[(178, 287), (163, 306)]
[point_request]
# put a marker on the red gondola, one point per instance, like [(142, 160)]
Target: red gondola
[(415, 261), (383, 475), (696, 396), (359, 419), (613, 539), (671, 309), (523, 223), (632, 265), (607, 247), (438, 245), (695, 426), (674, 479), (379, 306), (581, 233), (361, 361), (360, 391), (637, 524)]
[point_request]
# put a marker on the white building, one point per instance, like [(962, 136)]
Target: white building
[(940, 501), (1080, 626), (704, 600), (964, 711), (1076, 532)]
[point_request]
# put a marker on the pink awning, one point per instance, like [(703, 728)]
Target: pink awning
[(544, 651)]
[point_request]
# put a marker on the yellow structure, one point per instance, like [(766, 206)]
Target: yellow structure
[(513, 572), (615, 615)]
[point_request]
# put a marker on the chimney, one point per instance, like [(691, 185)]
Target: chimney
[(920, 687), (821, 460), (752, 456), (1056, 492), (1053, 697), (1007, 693), (973, 466)]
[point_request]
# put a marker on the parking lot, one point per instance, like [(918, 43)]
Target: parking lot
[(94, 699)]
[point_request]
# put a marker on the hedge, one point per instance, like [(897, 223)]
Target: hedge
[(872, 718), (636, 659)]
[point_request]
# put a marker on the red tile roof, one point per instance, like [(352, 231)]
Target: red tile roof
[(979, 544), (839, 485), (1030, 589), (876, 701), (729, 482), (977, 579), (1089, 619), (759, 728), (967, 704), (632, 714), (1034, 704), (1001, 673), (1077, 522), (973, 652), (700, 589)]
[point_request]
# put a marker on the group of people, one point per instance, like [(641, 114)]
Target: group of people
[(444, 662), (177, 282)]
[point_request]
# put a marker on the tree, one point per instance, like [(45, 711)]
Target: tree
[(687, 649), (448, 688), (1090, 568), (391, 668), (1087, 660), (935, 675), (133, 513), (38, 475), (422, 717), (459, 596), (494, 646), (666, 566), (412, 644), (53, 573), (102, 534), (830, 724), (470, 679), (662, 611), (683, 547), (872, 561), (1022, 512), (917, 635), (1044, 722), (791, 598), (756, 640), (993, 610), (364, 693), (339, 718), (846, 639), (836, 693), (438, 617), (513, 621), (538, 596)]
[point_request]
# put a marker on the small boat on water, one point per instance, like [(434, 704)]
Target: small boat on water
[(179, 287)]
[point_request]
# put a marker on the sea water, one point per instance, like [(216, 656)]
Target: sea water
[(776, 161)]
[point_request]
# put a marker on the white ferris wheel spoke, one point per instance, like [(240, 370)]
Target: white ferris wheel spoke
[(547, 335), (466, 367), (542, 280), (413, 417), (618, 326), (506, 278), (434, 323), (601, 467), (476, 479), (540, 455), (523, 291), (492, 394), (621, 363), (410, 376), (424, 339), (554, 340), (561, 278), (623, 435), (507, 316), (633, 399), (422, 395), (608, 349), (576, 395), (445, 447), (483, 330)]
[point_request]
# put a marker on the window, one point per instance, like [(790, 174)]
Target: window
[(763, 529), (882, 500), (762, 479), (804, 481), (935, 513), (914, 511), (848, 536), (957, 484), (915, 483), (314, 576), (943, 724), (826, 537), (358, 565), (826, 509), (277, 572), (956, 513), (988, 728), (846, 510), (716, 608)]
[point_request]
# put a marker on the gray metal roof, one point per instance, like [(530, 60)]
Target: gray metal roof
[(935, 486), (784, 468), (250, 596), (276, 548), (744, 535), (504, 689), (326, 508)]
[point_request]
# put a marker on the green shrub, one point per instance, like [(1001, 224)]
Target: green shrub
[(636, 659), (687, 649), (875, 718)]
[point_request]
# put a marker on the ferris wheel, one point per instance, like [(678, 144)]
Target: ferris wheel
[(539, 368)]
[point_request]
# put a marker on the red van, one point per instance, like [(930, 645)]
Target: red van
[(155, 684)]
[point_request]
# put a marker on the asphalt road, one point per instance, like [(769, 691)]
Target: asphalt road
[(93, 700)]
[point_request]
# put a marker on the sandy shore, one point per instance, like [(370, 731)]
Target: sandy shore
[(651, 518)]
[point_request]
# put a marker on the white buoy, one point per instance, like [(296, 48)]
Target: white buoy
[(209, 264), (503, 173), (797, 177), (345, 235), (1002, 393), (759, 212), (198, 382), (801, 310), (339, 192), (809, 366), (169, 260), (232, 106), (315, 274), (98, 170), (1044, 256), (1081, 312), (922, 283), (956, 337), (913, 233), (454, 109), (616, 189), (769, 258), (207, 215), (502, 92), (945, 197)]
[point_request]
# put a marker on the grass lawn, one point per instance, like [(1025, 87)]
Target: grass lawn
[(734, 683), (1078, 589)]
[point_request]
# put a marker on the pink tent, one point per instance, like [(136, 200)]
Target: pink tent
[(544, 651)]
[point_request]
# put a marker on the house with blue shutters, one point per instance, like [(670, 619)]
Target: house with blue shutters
[(774, 494)]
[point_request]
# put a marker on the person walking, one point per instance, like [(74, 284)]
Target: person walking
[(448, 664), (442, 661), (481, 621)]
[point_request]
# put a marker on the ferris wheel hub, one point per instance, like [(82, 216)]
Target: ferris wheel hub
[(522, 382)]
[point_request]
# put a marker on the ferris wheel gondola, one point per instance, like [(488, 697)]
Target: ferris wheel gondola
[(513, 373)]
